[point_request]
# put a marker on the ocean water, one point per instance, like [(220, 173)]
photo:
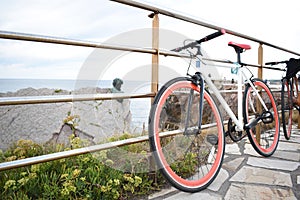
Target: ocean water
[(139, 107), (13, 85)]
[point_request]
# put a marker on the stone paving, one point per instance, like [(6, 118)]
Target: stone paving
[(247, 175)]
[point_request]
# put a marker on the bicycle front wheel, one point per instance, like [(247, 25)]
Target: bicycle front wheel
[(287, 107), (189, 158), (264, 134)]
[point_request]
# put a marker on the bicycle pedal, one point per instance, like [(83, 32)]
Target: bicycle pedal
[(267, 117), (212, 139)]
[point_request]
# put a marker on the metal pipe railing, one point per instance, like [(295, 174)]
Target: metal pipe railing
[(69, 153), (65, 41), (84, 150), (5, 101), (197, 22)]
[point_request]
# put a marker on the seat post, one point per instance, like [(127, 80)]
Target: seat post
[(238, 56)]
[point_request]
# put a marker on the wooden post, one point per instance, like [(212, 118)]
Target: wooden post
[(154, 79), (260, 76), (155, 57), (260, 61)]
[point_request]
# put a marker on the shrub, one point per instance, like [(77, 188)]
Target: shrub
[(81, 177)]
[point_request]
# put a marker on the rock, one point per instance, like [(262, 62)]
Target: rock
[(43, 123), (66, 131), (239, 191), (262, 176)]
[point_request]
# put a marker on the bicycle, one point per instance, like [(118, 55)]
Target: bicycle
[(290, 96), (186, 130)]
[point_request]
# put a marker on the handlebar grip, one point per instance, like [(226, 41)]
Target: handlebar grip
[(212, 36), (270, 63), (276, 63)]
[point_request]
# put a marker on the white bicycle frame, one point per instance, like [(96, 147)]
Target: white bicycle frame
[(241, 76)]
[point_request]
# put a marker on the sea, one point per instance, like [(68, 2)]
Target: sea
[(139, 107)]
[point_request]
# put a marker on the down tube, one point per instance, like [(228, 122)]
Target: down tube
[(222, 101)]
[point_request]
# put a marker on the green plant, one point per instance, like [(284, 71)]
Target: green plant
[(89, 176), (72, 121), (81, 177), (57, 90)]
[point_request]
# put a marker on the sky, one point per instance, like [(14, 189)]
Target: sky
[(100, 20)]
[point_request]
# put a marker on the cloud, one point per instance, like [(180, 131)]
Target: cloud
[(62, 18), (98, 20)]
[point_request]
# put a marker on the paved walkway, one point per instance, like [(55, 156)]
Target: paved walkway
[(246, 175)]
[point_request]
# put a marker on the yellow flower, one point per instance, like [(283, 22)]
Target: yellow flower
[(103, 188), (65, 192), (23, 173), (86, 159), (138, 180), (83, 179), (9, 184), (32, 175), (23, 181), (128, 178), (117, 181), (64, 176), (76, 173), (35, 168), (11, 158)]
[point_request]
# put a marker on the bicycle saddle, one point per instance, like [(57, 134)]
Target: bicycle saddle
[(239, 47)]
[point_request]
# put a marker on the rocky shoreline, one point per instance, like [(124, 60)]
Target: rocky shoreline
[(43, 123), (97, 120)]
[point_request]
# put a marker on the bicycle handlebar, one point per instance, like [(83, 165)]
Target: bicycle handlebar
[(276, 63), (212, 36), (205, 39)]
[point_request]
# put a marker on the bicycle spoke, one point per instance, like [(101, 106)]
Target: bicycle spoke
[(262, 121)]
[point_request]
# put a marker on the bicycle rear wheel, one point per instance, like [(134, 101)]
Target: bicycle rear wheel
[(287, 107), (189, 158), (264, 135)]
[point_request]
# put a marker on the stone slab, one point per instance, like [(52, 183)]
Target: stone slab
[(194, 196), (233, 164), (232, 149), (241, 191), (162, 193), (254, 175), (273, 163), (293, 156), (218, 182), (288, 146), (250, 150)]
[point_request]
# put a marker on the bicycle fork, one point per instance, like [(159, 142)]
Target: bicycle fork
[(197, 80)]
